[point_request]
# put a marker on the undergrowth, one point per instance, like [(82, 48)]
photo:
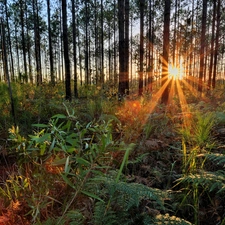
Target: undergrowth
[(99, 161)]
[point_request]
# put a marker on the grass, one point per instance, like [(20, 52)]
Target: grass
[(99, 161)]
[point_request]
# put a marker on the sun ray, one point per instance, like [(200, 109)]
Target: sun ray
[(190, 88), (172, 91), (157, 96), (183, 103)]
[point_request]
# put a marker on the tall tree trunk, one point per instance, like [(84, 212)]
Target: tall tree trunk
[(22, 5), (212, 46), (191, 40), (17, 51), (141, 69), (122, 76), (37, 42), (4, 51), (102, 44), (30, 75), (86, 43), (126, 45), (175, 33), (66, 51), (202, 49), (96, 45), (50, 45), (165, 60), (150, 46), (80, 60), (109, 52), (114, 45), (74, 25), (216, 44), (9, 39)]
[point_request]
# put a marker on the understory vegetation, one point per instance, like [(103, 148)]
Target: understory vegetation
[(97, 160)]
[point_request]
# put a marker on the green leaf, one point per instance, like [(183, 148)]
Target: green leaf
[(58, 162), (42, 139), (52, 144), (43, 148), (82, 161), (67, 180), (92, 195), (40, 125), (67, 167), (59, 116)]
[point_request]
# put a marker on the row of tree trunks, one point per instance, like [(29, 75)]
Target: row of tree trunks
[(89, 41)]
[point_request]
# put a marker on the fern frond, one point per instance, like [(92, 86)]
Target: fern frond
[(217, 158), (104, 215), (213, 181), (75, 217), (133, 193), (139, 159)]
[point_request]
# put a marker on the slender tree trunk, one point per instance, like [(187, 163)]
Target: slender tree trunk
[(4, 51), (202, 49), (212, 45), (131, 54), (37, 42), (74, 25), (141, 69), (86, 43), (174, 33), (191, 40), (126, 46), (30, 75), (165, 60), (102, 44), (50, 44), (96, 45), (152, 50), (122, 76), (17, 51), (66, 51), (216, 44), (109, 52), (114, 46), (80, 60), (23, 37), (150, 46), (9, 39)]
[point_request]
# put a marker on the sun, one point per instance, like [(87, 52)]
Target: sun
[(176, 73)]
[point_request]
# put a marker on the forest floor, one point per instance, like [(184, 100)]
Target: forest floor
[(164, 138)]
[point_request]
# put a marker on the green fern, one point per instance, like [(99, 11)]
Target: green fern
[(133, 193), (104, 215), (217, 158), (208, 180), (75, 217)]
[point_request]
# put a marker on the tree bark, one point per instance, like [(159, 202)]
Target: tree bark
[(216, 52), (22, 4), (122, 77), (141, 50), (66, 51), (165, 59), (212, 46), (202, 49), (74, 25), (37, 42), (50, 45)]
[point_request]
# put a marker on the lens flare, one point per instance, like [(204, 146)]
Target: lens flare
[(176, 73)]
